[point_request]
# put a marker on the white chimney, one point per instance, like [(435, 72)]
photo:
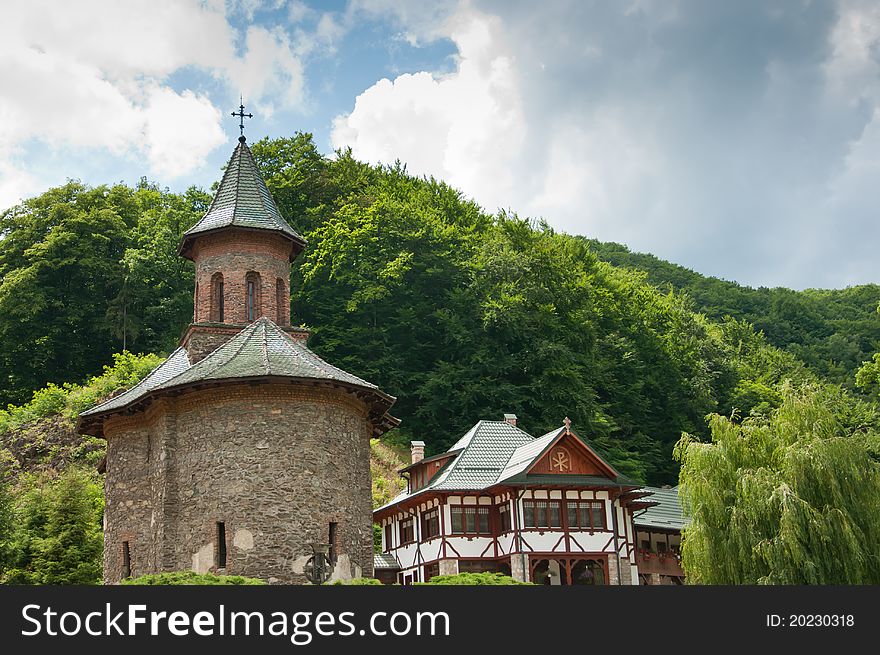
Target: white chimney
[(511, 419), (417, 448)]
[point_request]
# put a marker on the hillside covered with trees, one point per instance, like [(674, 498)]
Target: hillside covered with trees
[(462, 315), (459, 313)]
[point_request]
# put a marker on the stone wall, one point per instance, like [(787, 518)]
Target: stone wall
[(518, 570), (276, 463), (234, 253)]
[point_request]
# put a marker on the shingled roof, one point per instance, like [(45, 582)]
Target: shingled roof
[(496, 452), (666, 514), (260, 351), (242, 200)]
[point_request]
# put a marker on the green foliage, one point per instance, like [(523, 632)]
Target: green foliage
[(57, 536), (70, 399), (789, 498), (385, 462), (85, 273), (868, 377), (473, 579), (460, 314), (831, 331), (192, 578), (356, 582)]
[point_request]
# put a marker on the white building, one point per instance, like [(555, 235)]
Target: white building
[(549, 510)]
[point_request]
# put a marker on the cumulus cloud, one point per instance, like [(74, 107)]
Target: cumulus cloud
[(460, 127), (95, 74), (735, 138)]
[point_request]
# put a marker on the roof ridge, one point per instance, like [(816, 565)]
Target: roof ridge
[(265, 353), (237, 181)]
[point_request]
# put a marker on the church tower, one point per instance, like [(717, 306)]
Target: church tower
[(243, 448), (242, 249)]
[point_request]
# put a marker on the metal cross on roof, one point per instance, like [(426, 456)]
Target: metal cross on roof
[(567, 422), (241, 115)]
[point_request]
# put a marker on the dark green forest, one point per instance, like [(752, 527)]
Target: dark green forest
[(460, 313)]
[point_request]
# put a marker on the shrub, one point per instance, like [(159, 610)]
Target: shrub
[(356, 581), (474, 579), (192, 578)]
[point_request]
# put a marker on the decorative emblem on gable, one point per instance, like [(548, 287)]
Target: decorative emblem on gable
[(560, 460)]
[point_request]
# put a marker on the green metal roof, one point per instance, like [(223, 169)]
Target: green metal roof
[(385, 561), (261, 350), (495, 452), (488, 446), (242, 200), (667, 514)]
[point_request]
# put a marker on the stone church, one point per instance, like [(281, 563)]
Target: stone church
[(244, 447)]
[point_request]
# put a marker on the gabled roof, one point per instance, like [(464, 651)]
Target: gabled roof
[(486, 452), (260, 351), (495, 452), (242, 200), (523, 459), (667, 514)]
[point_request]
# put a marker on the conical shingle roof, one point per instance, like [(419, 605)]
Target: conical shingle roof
[(242, 200), (260, 351)]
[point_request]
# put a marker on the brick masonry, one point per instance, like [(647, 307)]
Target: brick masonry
[(276, 463), (235, 253)]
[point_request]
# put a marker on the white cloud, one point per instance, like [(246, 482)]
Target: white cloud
[(465, 127), (735, 138), (95, 74)]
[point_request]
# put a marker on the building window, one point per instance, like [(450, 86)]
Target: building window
[(126, 561), (431, 524), (389, 531), (469, 519), (432, 570), (252, 299), (217, 313), (332, 539), (282, 301), (407, 531), (586, 515), (482, 566), (504, 517), (542, 513), (221, 545)]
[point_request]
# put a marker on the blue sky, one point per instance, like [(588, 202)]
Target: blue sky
[(740, 139)]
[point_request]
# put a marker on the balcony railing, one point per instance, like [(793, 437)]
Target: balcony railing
[(668, 563)]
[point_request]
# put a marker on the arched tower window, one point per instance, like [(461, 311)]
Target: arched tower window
[(217, 312), (281, 301), (252, 295)]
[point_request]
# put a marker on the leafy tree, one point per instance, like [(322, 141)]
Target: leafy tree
[(7, 519), (70, 552), (789, 498), (58, 536)]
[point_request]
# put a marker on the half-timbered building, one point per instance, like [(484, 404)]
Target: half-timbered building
[(658, 537), (549, 510)]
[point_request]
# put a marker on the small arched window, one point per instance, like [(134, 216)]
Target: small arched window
[(252, 295), (282, 302), (217, 313)]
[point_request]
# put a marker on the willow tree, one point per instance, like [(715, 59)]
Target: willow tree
[(789, 498)]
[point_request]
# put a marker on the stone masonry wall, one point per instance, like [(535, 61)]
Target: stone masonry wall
[(276, 463), (235, 253)]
